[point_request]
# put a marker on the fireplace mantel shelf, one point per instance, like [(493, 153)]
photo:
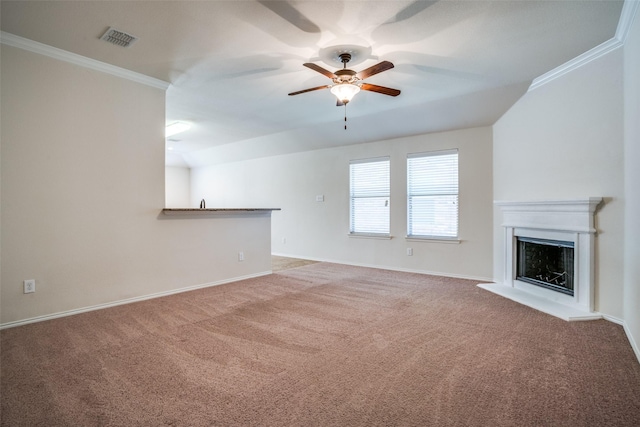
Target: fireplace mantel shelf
[(574, 215)]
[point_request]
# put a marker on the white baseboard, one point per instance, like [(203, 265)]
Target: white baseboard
[(126, 301), (613, 319), (627, 331), (634, 344), (387, 267)]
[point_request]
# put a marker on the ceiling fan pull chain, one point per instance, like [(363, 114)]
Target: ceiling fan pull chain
[(345, 116)]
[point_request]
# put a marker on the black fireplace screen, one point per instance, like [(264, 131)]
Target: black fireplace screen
[(546, 263)]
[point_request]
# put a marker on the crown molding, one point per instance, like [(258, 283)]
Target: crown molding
[(629, 10), (627, 14), (63, 55), (575, 63)]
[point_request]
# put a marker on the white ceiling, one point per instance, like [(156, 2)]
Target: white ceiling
[(231, 64)]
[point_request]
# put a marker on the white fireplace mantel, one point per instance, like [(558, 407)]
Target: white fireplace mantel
[(563, 220)]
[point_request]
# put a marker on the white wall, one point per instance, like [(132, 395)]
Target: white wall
[(564, 140), (177, 183), (319, 230), (632, 183), (82, 190)]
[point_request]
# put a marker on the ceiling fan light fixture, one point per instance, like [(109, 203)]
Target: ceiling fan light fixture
[(345, 91)]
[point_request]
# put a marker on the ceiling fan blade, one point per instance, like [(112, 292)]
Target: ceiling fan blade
[(410, 11), (309, 90), (319, 69), (380, 89), (287, 12), (375, 69)]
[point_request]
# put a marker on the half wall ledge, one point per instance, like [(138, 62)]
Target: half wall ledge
[(212, 212)]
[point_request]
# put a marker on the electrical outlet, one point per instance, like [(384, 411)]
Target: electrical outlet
[(409, 251), (29, 286), (284, 240), (320, 198), (240, 256)]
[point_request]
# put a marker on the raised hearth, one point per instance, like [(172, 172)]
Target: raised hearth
[(564, 287)]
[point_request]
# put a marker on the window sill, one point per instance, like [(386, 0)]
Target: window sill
[(452, 240), (371, 236)]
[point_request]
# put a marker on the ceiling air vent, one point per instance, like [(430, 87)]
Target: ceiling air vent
[(118, 38)]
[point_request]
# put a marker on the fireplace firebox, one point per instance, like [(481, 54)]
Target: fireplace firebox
[(546, 263)]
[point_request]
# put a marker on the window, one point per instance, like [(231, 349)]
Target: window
[(432, 194), (369, 205)]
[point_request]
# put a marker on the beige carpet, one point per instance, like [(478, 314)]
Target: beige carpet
[(320, 345)]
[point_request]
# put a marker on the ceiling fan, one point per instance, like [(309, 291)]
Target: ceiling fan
[(346, 82)]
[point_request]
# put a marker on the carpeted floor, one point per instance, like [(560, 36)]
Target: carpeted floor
[(320, 345)]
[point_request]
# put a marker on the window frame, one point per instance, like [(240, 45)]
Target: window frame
[(411, 234), (386, 195)]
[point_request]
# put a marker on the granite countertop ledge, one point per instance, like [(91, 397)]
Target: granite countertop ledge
[(213, 211)]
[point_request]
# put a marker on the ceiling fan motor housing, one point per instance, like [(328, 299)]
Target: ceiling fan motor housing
[(345, 76)]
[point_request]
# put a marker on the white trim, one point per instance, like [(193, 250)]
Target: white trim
[(386, 267), (613, 319), (371, 236), (370, 160), (632, 342), (127, 301), (627, 331), (72, 58), (574, 215), (545, 305), (575, 63), (629, 10), (432, 153)]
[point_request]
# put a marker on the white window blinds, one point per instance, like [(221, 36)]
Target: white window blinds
[(369, 196), (432, 194)]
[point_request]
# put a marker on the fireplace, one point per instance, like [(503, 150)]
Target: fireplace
[(545, 263), (548, 256)]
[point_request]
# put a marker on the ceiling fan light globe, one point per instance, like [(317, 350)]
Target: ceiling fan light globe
[(345, 91)]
